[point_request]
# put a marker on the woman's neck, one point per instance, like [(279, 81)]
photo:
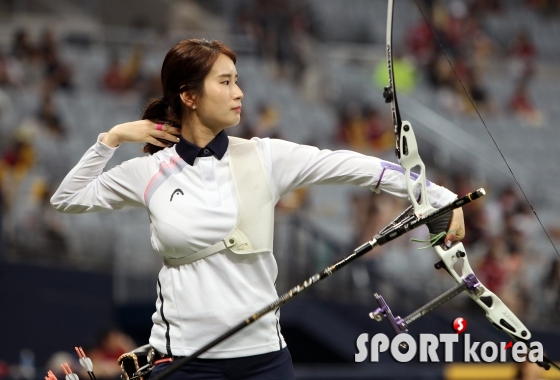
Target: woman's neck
[(198, 135)]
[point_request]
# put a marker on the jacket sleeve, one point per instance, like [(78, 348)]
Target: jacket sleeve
[(293, 166), (87, 188)]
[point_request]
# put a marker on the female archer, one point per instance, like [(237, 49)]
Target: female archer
[(210, 200)]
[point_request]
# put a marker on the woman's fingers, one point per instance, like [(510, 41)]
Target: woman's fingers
[(143, 131), (163, 135), (173, 130), (156, 142), (167, 132), (456, 228), (167, 128)]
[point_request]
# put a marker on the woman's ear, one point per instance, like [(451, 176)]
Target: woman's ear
[(188, 100)]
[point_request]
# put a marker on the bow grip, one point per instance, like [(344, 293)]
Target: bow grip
[(440, 225)]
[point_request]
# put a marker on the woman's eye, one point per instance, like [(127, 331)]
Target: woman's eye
[(226, 82)]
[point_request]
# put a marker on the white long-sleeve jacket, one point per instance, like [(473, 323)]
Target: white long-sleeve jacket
[(197, 302)]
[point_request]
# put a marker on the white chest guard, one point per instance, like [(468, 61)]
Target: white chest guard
[(253, 232)]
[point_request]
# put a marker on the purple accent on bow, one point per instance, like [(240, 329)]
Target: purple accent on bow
[(397, 323), (472, 282), (391, 166)]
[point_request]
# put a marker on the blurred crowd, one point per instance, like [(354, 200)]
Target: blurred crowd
[(31, 64), (364, 129), (471, 51), (278, 29), (472, 54), (34, 146)]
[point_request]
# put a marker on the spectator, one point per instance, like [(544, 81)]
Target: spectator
[(122, 77), (15, 164), (33, 69), (481, 45), (11, 71), (21, 46), (267, 121), (57, 73), (131, 70), (501, 272), (465, 44), (8, 116), (278, 30), (478, 94), (522, 54), (492, 270), (525, 222), (440, 75), (351, 126), (456, 25), (379, 132), (47, 113), (295, 201), (522, 106), (496, 211), (47, 45), (421, 42), (113, 79)]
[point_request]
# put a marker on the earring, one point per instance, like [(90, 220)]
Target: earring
[(193, 107)]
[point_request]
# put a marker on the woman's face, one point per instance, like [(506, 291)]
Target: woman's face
[(220, 106)]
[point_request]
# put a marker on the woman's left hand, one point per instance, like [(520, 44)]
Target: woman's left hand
[(456, 228)]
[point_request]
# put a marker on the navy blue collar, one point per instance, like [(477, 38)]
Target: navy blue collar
[(189, 152)]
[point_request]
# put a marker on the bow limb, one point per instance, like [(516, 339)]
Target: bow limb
[(457, 264), (406, 146)]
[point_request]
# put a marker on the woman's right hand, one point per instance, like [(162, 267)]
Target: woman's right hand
[(141, 131)]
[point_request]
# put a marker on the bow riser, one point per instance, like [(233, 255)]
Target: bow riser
[(415, 182)]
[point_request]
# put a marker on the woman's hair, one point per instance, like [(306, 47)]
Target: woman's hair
[(184, 69)]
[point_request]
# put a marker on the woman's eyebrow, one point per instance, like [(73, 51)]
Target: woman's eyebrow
[(227, 75)]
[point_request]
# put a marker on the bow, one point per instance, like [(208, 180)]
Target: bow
[(453, 259)]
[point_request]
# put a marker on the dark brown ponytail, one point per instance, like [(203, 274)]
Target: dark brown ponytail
[(184, 69)]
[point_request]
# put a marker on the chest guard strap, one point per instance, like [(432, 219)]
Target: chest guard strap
[(253, 232)]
